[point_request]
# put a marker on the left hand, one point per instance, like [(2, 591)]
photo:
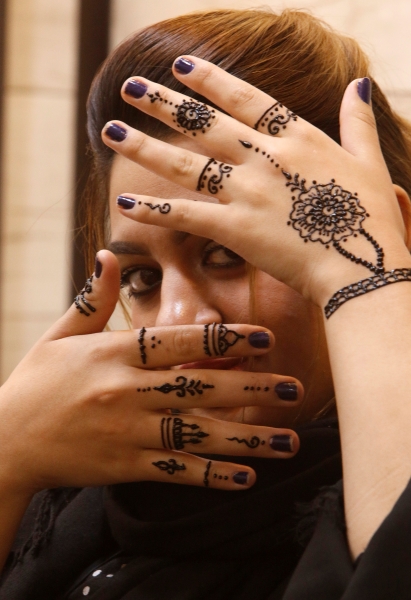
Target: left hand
[(279, 181)]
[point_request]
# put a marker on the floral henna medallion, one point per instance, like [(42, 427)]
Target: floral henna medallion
[(175, 434), (211, 178), (170, 466), (218, 339), (193, 116), (275, 118), (191, 387), (80, 301)]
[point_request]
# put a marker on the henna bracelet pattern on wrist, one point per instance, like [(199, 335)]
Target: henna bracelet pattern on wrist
[(81, 303)]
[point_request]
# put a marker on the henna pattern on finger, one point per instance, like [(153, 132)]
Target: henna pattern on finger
[(193, 116), (251, 388), (213, 179), (206, 474), (253, 443), (275, 118), (175, 434), (193, 387), (268, 156), (163, 208), (156, 96), (170, 466), (154, 342), (80, 301), (143, 354), (218, 339), (217, 476)]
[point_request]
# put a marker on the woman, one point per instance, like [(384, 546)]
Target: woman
[(315, 218)]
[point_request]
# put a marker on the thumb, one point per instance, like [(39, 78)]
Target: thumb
[(358, 129), (94, 305)]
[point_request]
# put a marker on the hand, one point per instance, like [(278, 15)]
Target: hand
[(86, 408), (312, 203)]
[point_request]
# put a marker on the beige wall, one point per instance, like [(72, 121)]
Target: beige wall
[(38, 165)]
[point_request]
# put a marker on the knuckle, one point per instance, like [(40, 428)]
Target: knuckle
[(186, 343), (240, 96), (183, 165)]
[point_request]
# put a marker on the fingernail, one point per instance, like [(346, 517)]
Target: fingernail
[(136, 89), (286, 391), (364, 89), (259, 339), (241, 477), (125, 202), (98, 268), (116, 133), (282, 443), (184, 66)]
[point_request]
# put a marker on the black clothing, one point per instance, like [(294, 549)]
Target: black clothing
[(151, 541)]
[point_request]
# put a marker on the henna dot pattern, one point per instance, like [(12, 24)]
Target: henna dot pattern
[(218, 339), (170, 466), (182, 387), (193, 116), (274, 119), (216, 476), (142, 347), (163, 208), (175, 434), (156, 96), (212, 175), (154, 342), (83, 305), (253, 443)]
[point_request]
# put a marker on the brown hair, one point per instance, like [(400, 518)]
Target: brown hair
[(293, 57)]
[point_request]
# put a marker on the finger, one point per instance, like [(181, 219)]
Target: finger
[(188, 169), (214, 129), (156, 347), (203, 435), (214, 387), (187, 469), (239, 99), (358, 128), (94, 304)]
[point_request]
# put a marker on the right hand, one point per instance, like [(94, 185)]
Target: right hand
[(82, 408)]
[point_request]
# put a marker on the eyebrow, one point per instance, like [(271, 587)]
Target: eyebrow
[(118, 247)]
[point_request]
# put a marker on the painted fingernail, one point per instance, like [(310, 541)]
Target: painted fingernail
[(116, 133), (98, 268), (282, 443), (241, 477), (286, 391), (259, 339), (184, 66), (136, 89), (364, 89), (125, 202)]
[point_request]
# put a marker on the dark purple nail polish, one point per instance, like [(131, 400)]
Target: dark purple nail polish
[(184, 66), (136, 89), (364, 89), (259, 339), (241, 477), (282, 443), (125, 202), (98, 268), (116, 133), (286, 391)]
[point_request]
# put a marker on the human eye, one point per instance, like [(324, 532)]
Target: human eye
[(220, 257), (139, 281)]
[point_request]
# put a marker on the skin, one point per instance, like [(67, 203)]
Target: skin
[(190, 286)]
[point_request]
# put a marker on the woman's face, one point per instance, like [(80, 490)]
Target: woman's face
[(175, 278)]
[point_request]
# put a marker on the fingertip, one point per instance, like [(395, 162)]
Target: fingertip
[(183, 65), (114, 132)]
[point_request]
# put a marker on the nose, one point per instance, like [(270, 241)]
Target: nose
[(185, 301)]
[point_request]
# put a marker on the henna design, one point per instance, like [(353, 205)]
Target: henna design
[(214, 180), (192, 388), (278, 121), (155, 342), (163, 208), (206, 474), (193, 116), (174, 434), (142, 346), (364, 286), (170, 467), (248, 145), (220, 338), (81, 299), (156, 96), (225, 477), (253, 443), (252, 388)]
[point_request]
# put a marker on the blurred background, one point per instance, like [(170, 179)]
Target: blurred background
[(49, 51)]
